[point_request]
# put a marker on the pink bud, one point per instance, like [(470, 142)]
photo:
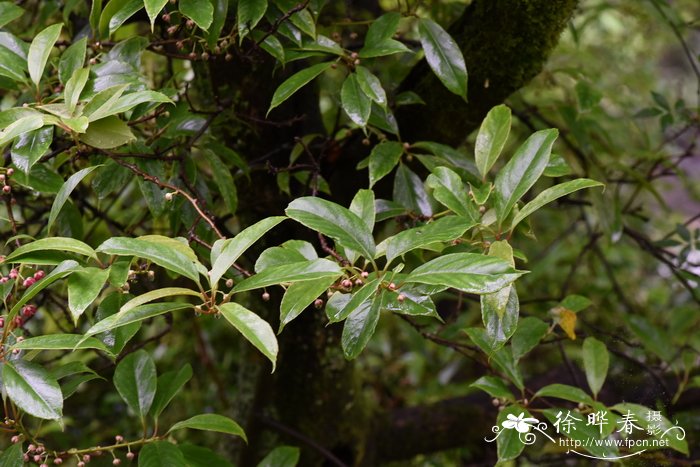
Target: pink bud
[(39, 275), (13, 274), (130, 455), (28, 282)]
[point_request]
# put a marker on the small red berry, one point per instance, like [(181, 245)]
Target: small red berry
[(39, 275), (392, 286), (318, 303), (4, 279), (18, 321), (28, 282), (2, 322), (347, 283), (13, 274)]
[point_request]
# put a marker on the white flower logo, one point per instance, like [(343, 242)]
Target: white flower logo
[(520, 423)]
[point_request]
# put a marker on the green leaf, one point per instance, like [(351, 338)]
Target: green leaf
[(50, 244), (383, 159), (9, 12), (556, 167), (641, 415), (566, 392), (299, 296), (356, 103), (63, 269), (494, 387), (654, 338), (382, 28), (157, 294), (523, 170), (444, 229), (231, 249), (64, 193), (127, 102), (550, 194), (161, 454), (101, 104), (61, 342), (18, 127), (197, 456), (107, 133), (74, 87), (334, 221), (382, 49), (508, 445), (217, 24), (72, 59), (500, 309), (359, 300), (159, 253), (250, 12), (12, 66), (33, 389), (39, 51), (371, 85), (313, 270), (135, 380), (169, 384), (530, 332), (153, 9), (291, 251), (199, 11), (360, 326), (281, 456), (256, 330), (415, 302), (224, 181), (116, 13), (468, 272), (83, 288), (443, 56), (449, 190), (492, 136), (575, 303), (296, 82), (211, 422), (13, 456), (29, 147), (410, 192), (362, 206), (134, 315), (595, 362)]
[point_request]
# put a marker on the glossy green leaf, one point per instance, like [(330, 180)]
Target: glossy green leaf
[(414, 302), (161, 254), (225, 252), (362, 206), (13, 455), (9, 12), (442, 230), (383, 159), (296, 82), (291, 251), (281, 456), (72, 59), (74, 87), (556, 167), (530, 332), (169, 384), (134, 315), (449, 190), (224, 181), (299, 296), (523, 170), (550, 194), (211, 422), (353, 302), (371, 85), (107, 133), (101, 104), (256, 330), (409, 191), (32, 389), (500, 309), (356, 103), (61, 342), (153, 9), (491, 138), (161, 454), (508, 445), (218, 22), (250, 12), (156, 295), (494, 387), (468, 272), (23, 125), (334, 221), (63, 269), (12, 66), (40, 49), (359, 327), (29, 147), (127, 102), (566, 392), (115, 13), (197, 456), (313, 270), (64, 193), (444, 56), (135, 380), (502, 359), (50, 244), (199, 11), (382, 28), (595, 363), (83, 288)]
